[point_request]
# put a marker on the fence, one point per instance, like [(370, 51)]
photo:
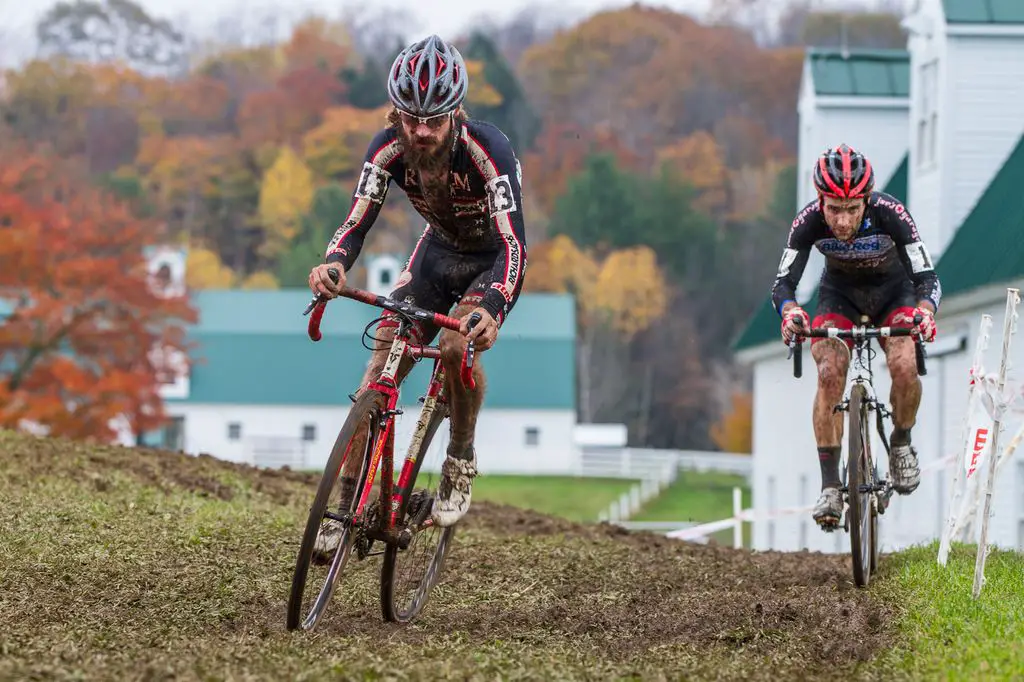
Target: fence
[(656, 469)]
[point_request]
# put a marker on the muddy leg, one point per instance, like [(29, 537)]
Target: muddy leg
[(464, 404)]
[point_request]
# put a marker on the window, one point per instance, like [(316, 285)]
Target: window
[(309, 432), (928, 116), (385, 277), (532, 435), (234, 431), (173, 436)]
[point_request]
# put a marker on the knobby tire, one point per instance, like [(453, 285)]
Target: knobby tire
[(370, 403), (392, 611), (860, 511)]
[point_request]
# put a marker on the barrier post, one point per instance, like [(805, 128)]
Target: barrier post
[(957, 498), (737, 509), (1009, 326)]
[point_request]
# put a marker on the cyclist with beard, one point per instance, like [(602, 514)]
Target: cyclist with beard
[(463, 177)]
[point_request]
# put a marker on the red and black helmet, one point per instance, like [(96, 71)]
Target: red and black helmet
[(843, 173)]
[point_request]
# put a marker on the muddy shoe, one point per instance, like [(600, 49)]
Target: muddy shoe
[(331, 531), (454, 491), (327, 541), (829, 509), (904, 473)]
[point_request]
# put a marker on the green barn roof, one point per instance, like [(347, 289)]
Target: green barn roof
[(252, 348), (986, 249), (860, 73), (764, 325), (984, 11)]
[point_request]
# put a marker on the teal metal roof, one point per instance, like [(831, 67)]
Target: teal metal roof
[(252, 348), (987, 247), (242, 311), (984, 11), (860, 72), (764, 325)]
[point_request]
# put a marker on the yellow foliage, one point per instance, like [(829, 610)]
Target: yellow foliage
[(328, 148), (261, 280), (631, 289), (481, 93), (558, 266), (285, 196), (734, 431), (203, 270), (698, 159)]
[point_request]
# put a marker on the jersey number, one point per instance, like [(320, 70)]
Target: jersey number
[(920, 261)]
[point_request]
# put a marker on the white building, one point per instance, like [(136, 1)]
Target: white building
[(963, 184), (261, 392)]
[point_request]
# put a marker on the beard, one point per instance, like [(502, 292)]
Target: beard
[(430, 165), (427, 160)]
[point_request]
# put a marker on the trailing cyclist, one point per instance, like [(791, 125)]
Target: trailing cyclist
[(876, 265), (463, 177)]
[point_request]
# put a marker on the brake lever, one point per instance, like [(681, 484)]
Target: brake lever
[(320, 298), (468, 355)]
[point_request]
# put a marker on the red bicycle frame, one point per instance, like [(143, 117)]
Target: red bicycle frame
[(387, 384)]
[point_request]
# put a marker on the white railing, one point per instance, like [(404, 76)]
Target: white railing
[(642, 463), (693, 532), (640, 494)]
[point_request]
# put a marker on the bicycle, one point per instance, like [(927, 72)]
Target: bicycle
[(872, 493), (398, 518)]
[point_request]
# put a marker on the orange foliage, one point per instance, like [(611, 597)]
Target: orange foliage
[(734, 431), (563, 147), (78, 344)]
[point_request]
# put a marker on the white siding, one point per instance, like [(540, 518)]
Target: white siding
[(501, 442), (785, 460), (985, 98), (966, 114), (928, 53)]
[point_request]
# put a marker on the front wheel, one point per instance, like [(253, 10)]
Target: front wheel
[(356, 439), (860, 515), (408, 575)]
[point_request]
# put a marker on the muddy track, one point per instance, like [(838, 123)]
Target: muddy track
[(514, 575)]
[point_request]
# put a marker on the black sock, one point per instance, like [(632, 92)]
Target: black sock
[(465, 453), (899, 436), (828, 458)]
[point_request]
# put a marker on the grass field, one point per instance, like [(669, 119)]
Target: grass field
[(577, 499), (128, 565)]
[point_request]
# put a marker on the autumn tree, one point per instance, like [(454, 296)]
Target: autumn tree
[(285, 196), (78, 347), (734, 431)]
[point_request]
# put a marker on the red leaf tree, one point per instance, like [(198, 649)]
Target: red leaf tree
[(79, 322)]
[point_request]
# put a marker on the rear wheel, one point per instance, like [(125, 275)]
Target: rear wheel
[(356, 438), (408, 575), (860, 512)]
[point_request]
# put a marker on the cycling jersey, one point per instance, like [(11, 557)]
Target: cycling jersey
[(884, 253), (483, 217)]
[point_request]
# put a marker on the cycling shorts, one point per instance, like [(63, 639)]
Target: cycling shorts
[(888, 304), (436, 278)]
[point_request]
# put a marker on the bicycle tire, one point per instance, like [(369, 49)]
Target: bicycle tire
[(370, 403), (859, 503), (393, 612)]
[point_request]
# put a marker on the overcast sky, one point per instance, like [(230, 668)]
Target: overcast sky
[(445, 17)]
